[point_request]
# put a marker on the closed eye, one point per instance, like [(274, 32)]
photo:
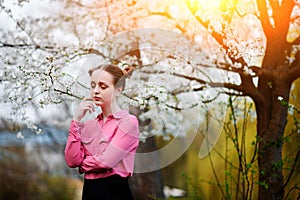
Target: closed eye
[(102, 86)]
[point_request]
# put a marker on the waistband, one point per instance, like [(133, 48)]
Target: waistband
[(107, 180)]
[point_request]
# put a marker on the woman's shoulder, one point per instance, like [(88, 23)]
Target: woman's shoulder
[(133, 118), (124, 115), (128, 123)]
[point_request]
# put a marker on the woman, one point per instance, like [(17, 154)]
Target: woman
[(104, 148)]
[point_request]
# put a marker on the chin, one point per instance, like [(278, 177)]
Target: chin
[(98, 104)]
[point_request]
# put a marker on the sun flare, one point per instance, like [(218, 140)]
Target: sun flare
[(209, 4)]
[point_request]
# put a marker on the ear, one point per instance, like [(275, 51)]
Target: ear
[(118, 90)]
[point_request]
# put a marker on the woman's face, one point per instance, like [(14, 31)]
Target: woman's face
[(103, 91)]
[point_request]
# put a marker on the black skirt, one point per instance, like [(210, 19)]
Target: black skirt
[(109, 188)]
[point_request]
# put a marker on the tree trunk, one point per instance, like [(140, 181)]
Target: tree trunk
[(144, 185), (147, 185), (271, 122)]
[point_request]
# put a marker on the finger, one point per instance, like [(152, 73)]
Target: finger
[(91, 105), (87, 103), (87, 99), (90, 109)]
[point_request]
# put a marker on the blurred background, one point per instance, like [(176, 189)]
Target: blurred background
[(215, 87)]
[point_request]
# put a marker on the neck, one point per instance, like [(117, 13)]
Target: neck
[(108, 110)]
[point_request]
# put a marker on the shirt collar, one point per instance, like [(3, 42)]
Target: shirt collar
[(120, 114), (117, 115)]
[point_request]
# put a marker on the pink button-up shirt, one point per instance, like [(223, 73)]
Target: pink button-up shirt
[(101, 149)]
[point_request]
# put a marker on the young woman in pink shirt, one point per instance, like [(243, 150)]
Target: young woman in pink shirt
[(104, 148)]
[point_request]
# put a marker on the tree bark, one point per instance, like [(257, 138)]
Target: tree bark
[(271, 122)]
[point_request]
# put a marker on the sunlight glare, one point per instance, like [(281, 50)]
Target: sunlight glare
[(174, 10), (211, 4)]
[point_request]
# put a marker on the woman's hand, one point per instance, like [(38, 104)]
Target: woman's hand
[(100, 170), (86, 105)]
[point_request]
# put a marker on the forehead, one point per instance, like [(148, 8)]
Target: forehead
[(100, 75)]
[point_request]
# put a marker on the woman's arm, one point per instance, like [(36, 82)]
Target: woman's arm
[(74, 152)]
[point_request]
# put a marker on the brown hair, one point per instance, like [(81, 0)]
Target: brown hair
[(118, 74)]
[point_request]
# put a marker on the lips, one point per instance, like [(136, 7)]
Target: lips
[(97, 98)]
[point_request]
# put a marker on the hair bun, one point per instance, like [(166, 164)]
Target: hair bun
[(128, 70)]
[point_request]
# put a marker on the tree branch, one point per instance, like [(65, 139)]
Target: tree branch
[(168, 16), (32, 46), (275, 7), (293, 74), (212, 84), (282, 15), (220, 37), (264, 17), (68, 93), (297, 59), (108, 18), (19, 25), (3, 44), (246, 88), (296, 41)]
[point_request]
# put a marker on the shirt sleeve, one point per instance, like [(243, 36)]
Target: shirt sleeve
[(74, 151), (124, 141)]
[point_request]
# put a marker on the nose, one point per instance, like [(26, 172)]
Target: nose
[(96, 90)]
